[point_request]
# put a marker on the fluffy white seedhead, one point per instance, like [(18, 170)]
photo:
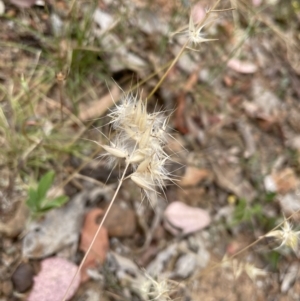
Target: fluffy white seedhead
[(117, 151), (286, 235), (122, 112), (143, 181), (238, 268), (139, 141), (253, 272), (194, 32), (151, 289)]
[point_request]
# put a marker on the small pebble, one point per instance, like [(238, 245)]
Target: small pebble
[(121, 221), (22, 278)]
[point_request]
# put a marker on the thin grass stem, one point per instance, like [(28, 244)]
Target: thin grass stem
[(97, 232), (181, 51), (167, 72)]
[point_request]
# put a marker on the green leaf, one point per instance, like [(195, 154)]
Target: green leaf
[(57, 202), (274, 258), (37, 201), (256, 209), (270, 197), (240, 211), (44, 185), (32, 201)]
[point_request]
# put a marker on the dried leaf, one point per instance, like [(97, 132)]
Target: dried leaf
[(242, 66), (283, 181), (101, 244), (180, 114), (53, 280), (193, 176), (23, 3), (231, 179), (187, 219), (256, 3), (98, 107)]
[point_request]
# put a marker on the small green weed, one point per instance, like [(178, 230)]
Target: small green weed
[(245, 212), (38, 202)]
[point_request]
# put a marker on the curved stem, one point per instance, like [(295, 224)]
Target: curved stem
[(167, 72), (182, 50), (216, 265), (97, 232)]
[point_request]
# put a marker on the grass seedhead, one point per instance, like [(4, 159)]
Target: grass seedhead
[(286, 235), (194, 32), (152, 289), (140, 140)]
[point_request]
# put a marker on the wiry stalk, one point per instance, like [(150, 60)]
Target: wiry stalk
[(133, 123), (182, 50), (167, 72), (97, 232)]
